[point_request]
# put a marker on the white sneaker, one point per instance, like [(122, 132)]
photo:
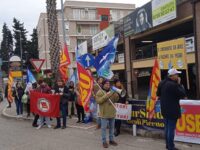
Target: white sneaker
[(40, 126), (49, 126)]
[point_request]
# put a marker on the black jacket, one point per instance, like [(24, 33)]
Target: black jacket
[(170, 93)]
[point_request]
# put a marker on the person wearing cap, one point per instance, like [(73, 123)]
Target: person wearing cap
[(105, 98), (170, 91)]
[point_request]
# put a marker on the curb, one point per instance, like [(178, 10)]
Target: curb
[(4, 114)]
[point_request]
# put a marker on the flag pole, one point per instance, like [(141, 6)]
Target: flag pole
[(104, 94)]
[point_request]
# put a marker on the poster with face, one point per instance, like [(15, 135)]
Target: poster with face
[(143, 18)]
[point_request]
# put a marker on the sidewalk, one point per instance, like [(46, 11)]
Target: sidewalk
[(11, 113)]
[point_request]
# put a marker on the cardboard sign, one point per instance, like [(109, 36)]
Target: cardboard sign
[(123, 111)]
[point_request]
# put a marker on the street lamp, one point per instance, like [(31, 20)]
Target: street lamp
[(20, 36)]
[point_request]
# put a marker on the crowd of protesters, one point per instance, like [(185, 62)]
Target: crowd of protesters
[(71, 105)]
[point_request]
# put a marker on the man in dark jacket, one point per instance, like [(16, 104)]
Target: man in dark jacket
[(64, 92), (170, 91)]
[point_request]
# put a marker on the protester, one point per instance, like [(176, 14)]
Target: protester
[(170, 91), (96, 88), (71, 102), (6, 96), (44, 88), (122, 100), (63, 91), (28, 89), (36, 116), (17, 94), (79, 106), (107, 112)]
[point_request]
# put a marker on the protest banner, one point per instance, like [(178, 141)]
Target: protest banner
[(188, 126)]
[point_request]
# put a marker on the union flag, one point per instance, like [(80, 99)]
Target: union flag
[(152, 97), (64, 62)]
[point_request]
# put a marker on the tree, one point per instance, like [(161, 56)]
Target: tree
[(6, 46), (53, 36), (20, 31), (32, 48)]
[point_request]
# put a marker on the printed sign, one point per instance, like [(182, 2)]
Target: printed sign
[(103, 38), (139, 116), (188, 127), (163, 11), (121, 58), (82, 48), (172, 54), (123, 111), (189, 44)]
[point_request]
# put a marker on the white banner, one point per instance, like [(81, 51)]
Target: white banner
[(103, 38), (123, 111), (163, 11), (82, 48)]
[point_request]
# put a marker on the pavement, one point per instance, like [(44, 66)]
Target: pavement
[(18, 134)]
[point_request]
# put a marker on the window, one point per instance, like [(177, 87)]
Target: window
[(79, 29), (76, 13), (92, 14), (83, 14), (93, 30), (104, 18)]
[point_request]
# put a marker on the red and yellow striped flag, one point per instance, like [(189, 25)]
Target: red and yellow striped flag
[(10, 84), (152, 98), (64, 62)]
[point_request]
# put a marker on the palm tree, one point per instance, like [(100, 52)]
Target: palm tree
[(53, 36)]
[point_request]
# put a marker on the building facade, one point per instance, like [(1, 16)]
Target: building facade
[(82, 21)]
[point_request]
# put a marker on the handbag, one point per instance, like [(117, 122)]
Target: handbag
[(25, 99)]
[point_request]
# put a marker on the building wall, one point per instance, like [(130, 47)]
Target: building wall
[(85, 21)]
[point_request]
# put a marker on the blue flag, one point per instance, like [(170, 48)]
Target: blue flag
[(73, 78), (30, 77), (105, 58)]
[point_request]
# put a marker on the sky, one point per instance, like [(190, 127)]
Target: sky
[(28, 11)]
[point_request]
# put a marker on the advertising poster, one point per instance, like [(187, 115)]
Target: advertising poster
[(163, 11), (103, 38), (172, 54), (143, 18), (129, 24), (188, 127), (139, 116)]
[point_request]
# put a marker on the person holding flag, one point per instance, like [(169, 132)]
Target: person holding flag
[(104, 98)]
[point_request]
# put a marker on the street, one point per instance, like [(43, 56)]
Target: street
[(19, 135)]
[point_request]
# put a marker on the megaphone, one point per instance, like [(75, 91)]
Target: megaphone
[(121, 92)]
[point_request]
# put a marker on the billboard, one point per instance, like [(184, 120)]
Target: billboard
[(163, 11), (103, 38), (138, 21), (172, 54)]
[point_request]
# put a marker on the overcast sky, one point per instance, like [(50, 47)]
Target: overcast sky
[(28, 11)]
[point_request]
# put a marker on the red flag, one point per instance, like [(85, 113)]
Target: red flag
[(152, 98), (86, 85), (64, 62), (47, 105)]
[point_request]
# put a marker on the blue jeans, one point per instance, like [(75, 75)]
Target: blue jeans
[(104, 124), (19, 107), (63, 108), (170, 126)]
